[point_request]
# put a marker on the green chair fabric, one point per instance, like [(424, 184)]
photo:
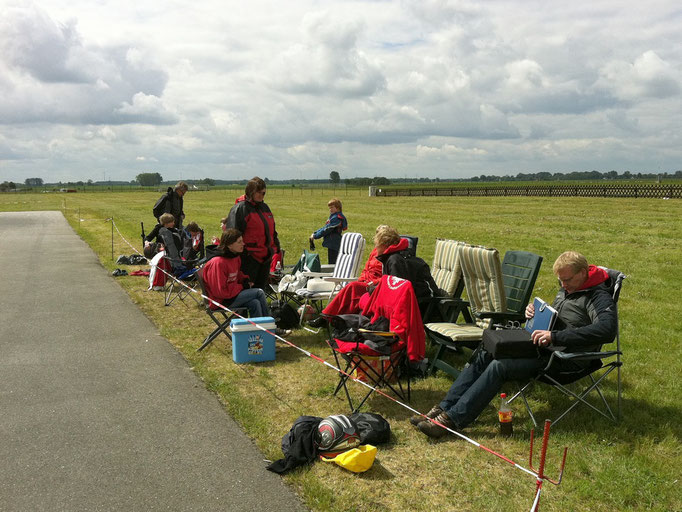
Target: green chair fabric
[(496, 292)]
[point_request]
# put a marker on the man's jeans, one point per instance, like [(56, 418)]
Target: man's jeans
[(254, 299), (478, 384)]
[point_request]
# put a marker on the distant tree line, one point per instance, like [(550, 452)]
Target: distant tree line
[(575, 176)]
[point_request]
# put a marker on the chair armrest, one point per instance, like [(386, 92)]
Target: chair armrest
[(340, 279), (586, 356), (328, 268), (316, 274), (498, 316), (379, 333)]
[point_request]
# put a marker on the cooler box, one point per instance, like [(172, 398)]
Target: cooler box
[(249, 343)]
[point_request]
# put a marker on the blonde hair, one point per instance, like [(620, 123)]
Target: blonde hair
[(335, 203), (166, 218), (181, 185), (386, 236), (572, 259)]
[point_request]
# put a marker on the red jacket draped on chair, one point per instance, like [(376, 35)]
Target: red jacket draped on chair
[(394, 299)]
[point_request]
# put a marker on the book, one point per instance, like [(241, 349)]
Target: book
[(544, 316)]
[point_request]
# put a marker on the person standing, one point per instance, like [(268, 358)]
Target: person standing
[(253, 218), (171, 202), (331, 232)]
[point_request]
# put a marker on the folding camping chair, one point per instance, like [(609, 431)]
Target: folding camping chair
[(322, 287), (380, 365), (447, 273), (497, 293), (181, 287), (593, 366), (220, 317), (285, 289)]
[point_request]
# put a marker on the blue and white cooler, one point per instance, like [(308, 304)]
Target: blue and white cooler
[(251, 344)]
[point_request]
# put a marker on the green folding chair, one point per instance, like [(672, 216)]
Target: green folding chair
[(497, 293)]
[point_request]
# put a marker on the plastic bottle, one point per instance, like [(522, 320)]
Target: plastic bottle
[(278, 268), (505, 415)]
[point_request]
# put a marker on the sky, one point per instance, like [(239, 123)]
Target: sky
[(223, 89)]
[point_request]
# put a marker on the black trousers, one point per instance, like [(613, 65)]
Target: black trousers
[(259, 273)]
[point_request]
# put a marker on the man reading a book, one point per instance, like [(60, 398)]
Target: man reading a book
[(586, 319)]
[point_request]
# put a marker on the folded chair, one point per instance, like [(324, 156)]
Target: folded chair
[(380, 363), (220, 317), (322, 287), (447, 273), (285, 288), (497, 293), (591, 367)]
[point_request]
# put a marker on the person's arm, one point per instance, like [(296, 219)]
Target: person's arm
[(603, 327), (333, 223), (153, 234), (236, 218)]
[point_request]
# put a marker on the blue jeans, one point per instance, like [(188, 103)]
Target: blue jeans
[(254, 299), (478, 384)]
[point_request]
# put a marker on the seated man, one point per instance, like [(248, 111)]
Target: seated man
[(586, 320)]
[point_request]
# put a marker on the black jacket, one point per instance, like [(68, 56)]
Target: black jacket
[(398, 260), (174, 206), (586, 319)]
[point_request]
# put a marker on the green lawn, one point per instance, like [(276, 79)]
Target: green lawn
[(630, 466)]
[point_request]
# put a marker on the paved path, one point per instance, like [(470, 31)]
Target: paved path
[(94, 418)]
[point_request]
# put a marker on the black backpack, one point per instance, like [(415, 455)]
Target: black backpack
[(284, 314), (160, 206)]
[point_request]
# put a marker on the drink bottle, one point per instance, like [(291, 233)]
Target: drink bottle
[(505, 415), (278, 268)]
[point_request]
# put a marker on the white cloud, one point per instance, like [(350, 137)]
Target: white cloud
[(435, 87)]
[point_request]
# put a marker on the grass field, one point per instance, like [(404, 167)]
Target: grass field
[(634, 465)]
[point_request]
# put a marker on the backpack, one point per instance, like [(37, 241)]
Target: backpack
[(308, 262), (160, 206), (284, 314)]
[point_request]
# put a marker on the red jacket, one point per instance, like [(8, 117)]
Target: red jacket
[(373, 269), (223, 278), (394, 299), (257, 224)]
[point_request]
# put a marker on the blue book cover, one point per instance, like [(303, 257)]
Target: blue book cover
[(544, 317)]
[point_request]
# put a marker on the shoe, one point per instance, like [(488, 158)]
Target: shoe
[(418, 418), (282, 332), (320, 321), (436, 431)]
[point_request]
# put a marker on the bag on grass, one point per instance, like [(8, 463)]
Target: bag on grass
[(284, 314)]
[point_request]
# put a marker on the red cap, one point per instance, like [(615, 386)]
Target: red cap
[(503, 395)]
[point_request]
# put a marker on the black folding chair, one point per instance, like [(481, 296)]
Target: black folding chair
[(182, 287), (565, 368), (220, 317)]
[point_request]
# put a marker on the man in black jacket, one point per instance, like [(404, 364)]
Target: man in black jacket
[(173, 204), (586, 319)]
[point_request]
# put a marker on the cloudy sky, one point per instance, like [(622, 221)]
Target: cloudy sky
[(94, 89)]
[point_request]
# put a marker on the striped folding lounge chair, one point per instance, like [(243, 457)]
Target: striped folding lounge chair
[(321, 287), (497, 293), (447, 273)]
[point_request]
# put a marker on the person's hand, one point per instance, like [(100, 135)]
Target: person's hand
[(530, 311), (147, 243), (311, 237), (541, 338)]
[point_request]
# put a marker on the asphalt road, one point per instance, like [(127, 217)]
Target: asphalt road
[(97, 410)]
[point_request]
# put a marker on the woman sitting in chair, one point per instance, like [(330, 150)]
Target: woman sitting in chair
[(226, 283)]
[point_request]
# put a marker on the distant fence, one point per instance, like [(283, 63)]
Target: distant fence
[(651, 191)]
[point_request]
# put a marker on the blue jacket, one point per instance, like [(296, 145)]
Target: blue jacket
[(331, 232)]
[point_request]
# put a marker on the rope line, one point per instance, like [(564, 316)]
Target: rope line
[(340, 371)]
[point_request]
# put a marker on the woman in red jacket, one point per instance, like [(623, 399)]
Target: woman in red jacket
[(253, 218), (227, 284)]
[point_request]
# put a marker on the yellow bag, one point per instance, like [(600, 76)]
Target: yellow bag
[(357, 460)]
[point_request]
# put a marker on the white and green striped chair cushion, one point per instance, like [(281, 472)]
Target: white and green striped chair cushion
[(447, 269), (456, 332), (483, 281)]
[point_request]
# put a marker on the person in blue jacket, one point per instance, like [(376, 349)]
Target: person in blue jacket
[(331, 231)]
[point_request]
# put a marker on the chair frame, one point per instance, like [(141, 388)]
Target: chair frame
[(596, 359), (175, 289), (220, 317), (355, 359)]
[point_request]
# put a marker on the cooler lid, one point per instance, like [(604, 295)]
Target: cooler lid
[(246, 324)]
